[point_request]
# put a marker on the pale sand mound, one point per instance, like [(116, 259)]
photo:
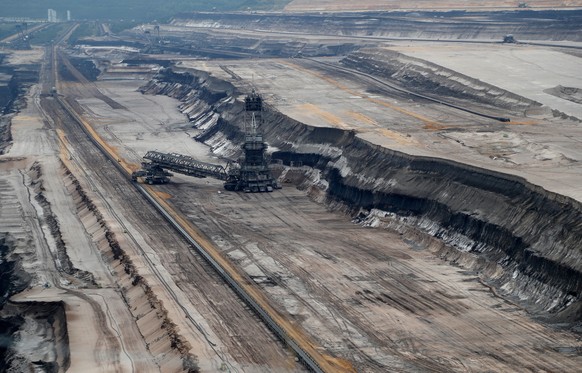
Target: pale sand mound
[(567, 93)]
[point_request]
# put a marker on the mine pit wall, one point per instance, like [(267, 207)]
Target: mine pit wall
[(525, 25), (167, 346), (32, 320), (425, 77), (5, 134), (14, 83), (48, 319), (216, 46), (522, 240), (63, 261), (13, 279)]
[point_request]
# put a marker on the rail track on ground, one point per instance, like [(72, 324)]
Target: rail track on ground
[(302, 345), (93, 163)]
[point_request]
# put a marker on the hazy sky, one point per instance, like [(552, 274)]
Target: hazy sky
[(126, 9)]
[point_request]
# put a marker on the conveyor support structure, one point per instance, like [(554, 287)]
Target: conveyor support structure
[(186, 165)]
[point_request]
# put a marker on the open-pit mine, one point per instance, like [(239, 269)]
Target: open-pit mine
[(324, 189)]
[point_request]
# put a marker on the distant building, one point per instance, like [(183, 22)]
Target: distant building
[(68, 15), (52, 15)]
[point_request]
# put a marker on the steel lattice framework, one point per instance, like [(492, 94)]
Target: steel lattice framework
[(186, 165)]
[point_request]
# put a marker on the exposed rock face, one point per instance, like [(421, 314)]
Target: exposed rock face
[(523, 240), (162, 336), (200, 105), (343, 5), (422, 76), (12, 280), (5, 135), (205, 43), (14, 82), (84, 66), (40, 340), (526, 25)]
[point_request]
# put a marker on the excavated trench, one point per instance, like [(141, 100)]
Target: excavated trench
[(14, 82), (452, 25), (63, 261), (206, 44), (418, 75), (199, 36), (34, 335), (12, 278), (159, 332), (16, 319), (521, 239), (38, 339)]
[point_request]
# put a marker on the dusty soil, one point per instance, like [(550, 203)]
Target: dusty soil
[(567, 93), (59, 245), (187, 316), (313, 33), (391, 261), (378, 298), (375, 5), (302, 256), (518, 63)]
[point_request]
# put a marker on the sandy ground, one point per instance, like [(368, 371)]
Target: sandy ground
[(375, 296), (197, 301), (366, 294), (92, 313), (541, 148), (86, 310), (34, 55), (522, 69), (152, 123), (358, 287), (346, 5), (84, 342)]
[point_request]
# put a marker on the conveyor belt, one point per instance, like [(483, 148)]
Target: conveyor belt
[(186, 165), (292, 336)]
